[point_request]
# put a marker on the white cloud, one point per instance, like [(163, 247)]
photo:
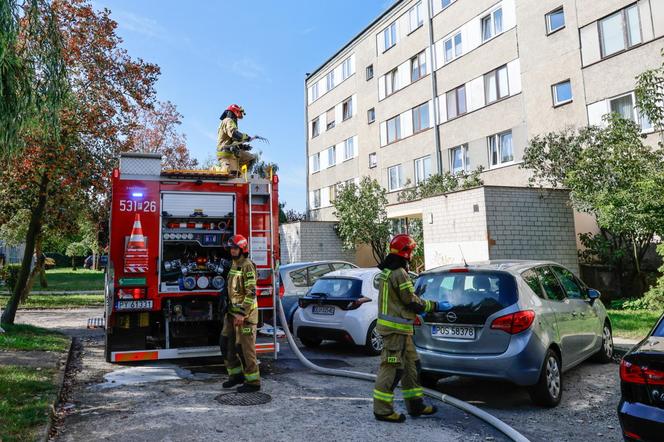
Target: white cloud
[(250, 69)]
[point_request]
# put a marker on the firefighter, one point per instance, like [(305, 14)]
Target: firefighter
[(232, 147), (397, 307), (239, 332)]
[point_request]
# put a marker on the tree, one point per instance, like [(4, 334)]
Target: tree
[(440, 184), (362, 216), (290, 215)]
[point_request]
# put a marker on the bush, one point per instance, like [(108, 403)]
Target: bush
[(652, 300), (9, 274)]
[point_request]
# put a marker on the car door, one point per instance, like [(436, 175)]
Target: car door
[(586, 317), (566, 319)]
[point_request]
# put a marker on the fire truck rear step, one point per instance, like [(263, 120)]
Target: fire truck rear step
[(176, 353)]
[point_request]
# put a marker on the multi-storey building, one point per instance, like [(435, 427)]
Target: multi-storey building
[(450, 85)]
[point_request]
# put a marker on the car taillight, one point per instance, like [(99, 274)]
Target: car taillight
[(136, 293), (282, 290), (632, 435), (514, 322), (636, 374), (357, 303), (417, 322)]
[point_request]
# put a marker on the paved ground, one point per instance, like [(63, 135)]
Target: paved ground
[(180, 402)]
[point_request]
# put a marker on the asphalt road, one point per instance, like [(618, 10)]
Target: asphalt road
[(175, 400)]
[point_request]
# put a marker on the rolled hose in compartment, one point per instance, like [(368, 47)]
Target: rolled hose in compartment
[(464, 406)]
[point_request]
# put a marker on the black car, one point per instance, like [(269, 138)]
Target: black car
[(641, 407)]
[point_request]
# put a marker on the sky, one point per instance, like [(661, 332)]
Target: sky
[(251, 52)]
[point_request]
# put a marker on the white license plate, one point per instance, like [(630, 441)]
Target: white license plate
[(453, 331), (323, 310), (142, 304)]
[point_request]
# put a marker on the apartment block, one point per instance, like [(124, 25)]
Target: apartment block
[(450, 85)]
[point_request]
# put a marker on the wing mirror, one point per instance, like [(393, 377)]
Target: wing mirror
[(593, 295)]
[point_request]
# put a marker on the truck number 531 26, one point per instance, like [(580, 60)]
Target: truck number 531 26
[(138, 206)]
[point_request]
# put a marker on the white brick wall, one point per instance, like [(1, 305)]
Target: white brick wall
[(311, 241)]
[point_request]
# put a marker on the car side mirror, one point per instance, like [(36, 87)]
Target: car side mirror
[(593, 295)]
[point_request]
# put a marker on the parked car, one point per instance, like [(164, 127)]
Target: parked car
[(296, 279), (641, 407), (341, 306), (102, 261), (522, 321)]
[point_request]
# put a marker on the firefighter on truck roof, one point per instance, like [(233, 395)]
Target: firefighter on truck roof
[(397, 307), (232, 147), (238, 336)]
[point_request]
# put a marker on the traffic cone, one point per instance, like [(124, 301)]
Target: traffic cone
[(136, 254)]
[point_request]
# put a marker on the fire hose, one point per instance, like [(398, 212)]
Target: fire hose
[(447, 399)]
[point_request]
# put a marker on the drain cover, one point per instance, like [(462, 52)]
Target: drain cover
[(243, 399)]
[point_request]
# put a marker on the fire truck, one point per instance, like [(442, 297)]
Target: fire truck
[(168, 256)]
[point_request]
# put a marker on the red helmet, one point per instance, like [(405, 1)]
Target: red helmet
[(237, 110), (240, 242), (403, 245)]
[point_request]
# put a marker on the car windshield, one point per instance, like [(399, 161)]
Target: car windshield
[(659, 331), (476, 291), (337, 288)]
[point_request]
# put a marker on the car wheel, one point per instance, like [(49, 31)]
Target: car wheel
[(429, 380), (310, 342), (374, 342), (605, 353), (549, 388)]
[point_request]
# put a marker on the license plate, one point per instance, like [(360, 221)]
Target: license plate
[(323, 310), (134, 305), (453, 331)]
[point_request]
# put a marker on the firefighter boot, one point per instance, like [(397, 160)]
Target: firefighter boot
[(248, 388), (418, 408), (233, 380), (395, 417)]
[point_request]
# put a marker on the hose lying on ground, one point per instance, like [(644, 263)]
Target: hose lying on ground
[(464, 406)]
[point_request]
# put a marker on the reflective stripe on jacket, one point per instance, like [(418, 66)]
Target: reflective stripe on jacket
[(242, 289), (397, 303)]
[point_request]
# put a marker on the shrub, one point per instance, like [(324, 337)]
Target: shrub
[(9, 274)]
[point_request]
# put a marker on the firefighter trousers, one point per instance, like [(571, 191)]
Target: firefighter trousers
[(240, 354), (398, 362)]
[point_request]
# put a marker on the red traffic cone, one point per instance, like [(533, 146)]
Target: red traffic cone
[(136, 254)]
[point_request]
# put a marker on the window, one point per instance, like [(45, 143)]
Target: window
[(456, 102), (394, 129), (390, 35), (453, 47), (500, 149), (418, 66), (373, 160), (422, 169), (459, 159), (332, 193), (315, 167), (315, 127), (347, 109), (345, 69), (416, 19), (394, 177), (349, 149), (572, 289), (532, 279), (421, 117), (331, 156), (316, 198), (624, 106), (619, 31), (342, 266), (299, 277), (496, 85), (315, 272), (562, 92), (446, 3), (391, 83), (329, 117), (369, 72), (555, 20), (492, 25), (314, 92), (550, 284), (329, 79), (371, 115)]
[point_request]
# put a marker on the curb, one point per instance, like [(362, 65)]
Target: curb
[(61, 384)]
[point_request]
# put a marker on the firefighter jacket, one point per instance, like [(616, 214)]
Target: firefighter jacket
[(397, 303), (228, 134), (242, 289)]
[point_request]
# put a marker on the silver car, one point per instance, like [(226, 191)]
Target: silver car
[(521, 321)]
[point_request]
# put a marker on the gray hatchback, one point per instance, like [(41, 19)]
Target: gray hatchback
[(521, 321)]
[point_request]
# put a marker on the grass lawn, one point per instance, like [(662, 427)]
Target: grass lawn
[(68, 279), (28, 337), (26, 396), (632, 323), (38, 301)]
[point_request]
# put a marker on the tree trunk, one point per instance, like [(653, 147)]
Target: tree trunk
[(41, 262), (94, 259), (34, 228), (37, 270)]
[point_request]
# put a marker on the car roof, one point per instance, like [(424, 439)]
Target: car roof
[(508, 265), (354, 273), (299, 265)]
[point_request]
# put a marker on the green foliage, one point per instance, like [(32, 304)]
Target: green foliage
[(13, 231), (440, 184), (28, 337), (9, 274), (649, 93), (362, 216), (79, 248), (654, 298), (602, 249), (632, 323)]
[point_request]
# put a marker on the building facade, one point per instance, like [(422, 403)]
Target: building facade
[(450, 85)]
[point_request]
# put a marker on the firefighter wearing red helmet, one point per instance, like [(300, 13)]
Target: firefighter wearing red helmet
[(397, 307), (232, 147), (239, 332)]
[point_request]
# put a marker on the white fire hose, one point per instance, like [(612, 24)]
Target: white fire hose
[(464, 406)]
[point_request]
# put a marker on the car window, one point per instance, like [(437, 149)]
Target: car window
[(532, 279), (337, 288), (568, 281), (299, 277), (550, 284), (317, 271), (341, 266), (659, 331)]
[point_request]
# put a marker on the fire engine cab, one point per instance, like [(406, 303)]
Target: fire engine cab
[(168, 257)]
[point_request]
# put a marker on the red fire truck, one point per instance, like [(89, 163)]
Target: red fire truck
[(168, 236)]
